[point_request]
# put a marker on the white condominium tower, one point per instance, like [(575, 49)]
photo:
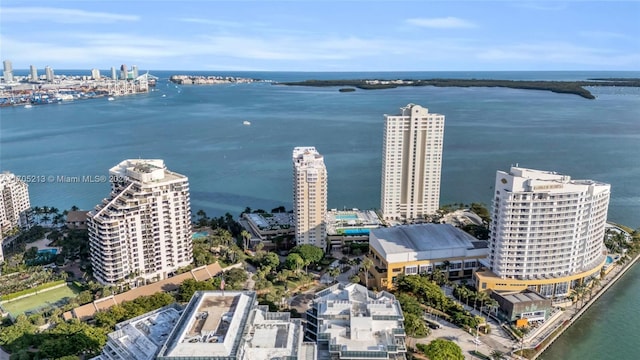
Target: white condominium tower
[(14, 205), (547, 232), (411, 163), (309, 196), (143, 230)]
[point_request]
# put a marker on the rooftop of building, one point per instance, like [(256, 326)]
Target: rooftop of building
[(535, 177), (229, 323), (425, 237), (144, 335), (145, 171), (358, 319), (521, 297), (339, 220), (77, 216), (266, 221), (211, 324)]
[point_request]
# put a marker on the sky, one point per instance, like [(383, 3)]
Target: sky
[(307, 35)]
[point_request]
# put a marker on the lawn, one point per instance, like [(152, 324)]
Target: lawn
[(36, 301)]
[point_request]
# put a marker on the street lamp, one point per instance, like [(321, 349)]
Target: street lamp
[(476, 341)]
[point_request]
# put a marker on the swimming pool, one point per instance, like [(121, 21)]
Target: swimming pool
[(359, 231), (347, 217), (199, 235), (609, 260), (48, 251)]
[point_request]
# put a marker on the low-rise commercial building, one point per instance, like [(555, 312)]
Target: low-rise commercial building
[(351, 322), (140, 338), (268, 226), (421, 248), (527, 305), (231, 325), (215, 325), (77, 219), (347, 226)]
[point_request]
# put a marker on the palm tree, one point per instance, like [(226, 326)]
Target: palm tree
[(366, 265), (246, 237), (483, 297), (37, 211), (497, 355), (493, 306), (446, 265), (466, 294), (334, 272)]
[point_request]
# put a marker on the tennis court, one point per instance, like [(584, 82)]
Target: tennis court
[(55, 297)]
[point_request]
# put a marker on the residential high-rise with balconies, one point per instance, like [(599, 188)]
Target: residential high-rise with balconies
[(547, 232), (143, 229), (411, 163), (14, 205), (309, 196)]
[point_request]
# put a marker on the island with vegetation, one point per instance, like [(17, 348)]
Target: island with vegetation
[(563, 87)]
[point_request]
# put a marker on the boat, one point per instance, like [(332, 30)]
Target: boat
[(164, 95), (247, 123), (111, 98), (28, 106)]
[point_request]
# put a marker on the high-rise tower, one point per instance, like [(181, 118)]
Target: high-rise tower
[(143, 230), (48, 71), (309, 196), (124, 73), (8, 71), (411, 163), (33, 71), (547, 232), (14, 205)]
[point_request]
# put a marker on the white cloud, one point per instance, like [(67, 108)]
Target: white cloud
[(441, 23), (223, 23), (64, 16), (559, 53), (271, 52)]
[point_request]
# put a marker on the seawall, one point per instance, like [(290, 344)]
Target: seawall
[(586, 306)]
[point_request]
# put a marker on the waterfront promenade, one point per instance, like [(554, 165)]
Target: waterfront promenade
[(539, 338), (573, 313)]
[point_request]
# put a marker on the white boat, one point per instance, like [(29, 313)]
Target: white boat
[(164, 95), (28, 106), (111, 98), (247, 123)]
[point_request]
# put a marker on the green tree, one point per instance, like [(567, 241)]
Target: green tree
[(246, 238), (334, 272), (441, 349), (270, 259), (367, 263), (190, 286), (294, 262), (309, 253), (415, 326), (235, 278)]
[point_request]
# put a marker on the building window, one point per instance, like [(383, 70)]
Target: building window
[(410, 270)]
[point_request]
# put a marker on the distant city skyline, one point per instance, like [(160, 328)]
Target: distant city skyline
[(323, 36)]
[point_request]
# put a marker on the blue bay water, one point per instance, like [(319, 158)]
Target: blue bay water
[(199, 132)]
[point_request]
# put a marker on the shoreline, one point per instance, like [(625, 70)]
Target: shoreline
[(573, 319), (560, 87)]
